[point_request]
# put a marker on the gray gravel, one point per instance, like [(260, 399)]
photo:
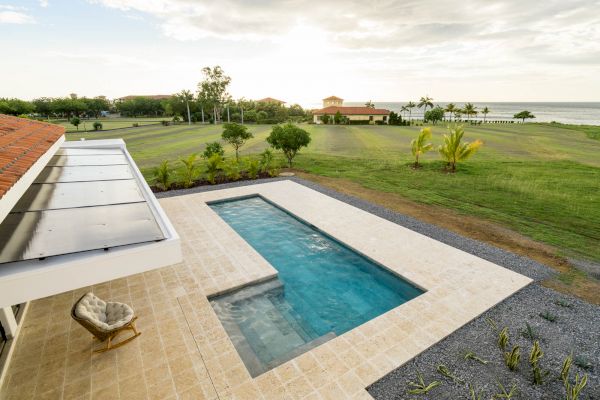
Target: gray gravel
[(576, 329)]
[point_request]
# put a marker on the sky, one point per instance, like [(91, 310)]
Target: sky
[(301, 52)]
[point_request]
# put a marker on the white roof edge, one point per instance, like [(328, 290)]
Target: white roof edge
[(10, 198), (32, 279)]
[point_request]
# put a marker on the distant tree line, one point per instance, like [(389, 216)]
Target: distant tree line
[(62, 107)]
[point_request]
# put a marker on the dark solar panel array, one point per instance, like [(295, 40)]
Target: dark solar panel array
[(84, 199)]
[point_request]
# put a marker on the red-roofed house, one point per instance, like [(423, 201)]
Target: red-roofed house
[(332, 105)]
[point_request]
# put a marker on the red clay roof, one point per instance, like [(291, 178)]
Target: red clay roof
[(332, 110), (270, 100), (332, 98), (22, 142)]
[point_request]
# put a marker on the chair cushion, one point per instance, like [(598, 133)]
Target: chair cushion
[(104, 315)]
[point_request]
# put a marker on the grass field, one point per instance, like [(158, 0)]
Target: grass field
[(540, 180), (108, 123)]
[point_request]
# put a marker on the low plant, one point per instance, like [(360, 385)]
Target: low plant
[(442, 369), (232, 170), (213, 148), (492, 324), (253, 168), (530, 333), (421, 387), (512, 358), (97, 126), (190, 170), (548, 316), (165, 123), (566, 367), (135, 125), (503, 338), (563, 303), (469, 355), (162, 175), (506, 394), (267, 163), (583, 362), (573, 391), (213, 166), (534, 357), (474, 394)]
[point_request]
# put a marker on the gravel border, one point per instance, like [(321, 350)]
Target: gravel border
[(576, 329)]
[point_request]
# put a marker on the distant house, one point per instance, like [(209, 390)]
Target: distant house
[(271, 100), (332, 105), (148, 96)]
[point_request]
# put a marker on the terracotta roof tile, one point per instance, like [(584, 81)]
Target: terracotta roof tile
[(22, 143), (331, 110)]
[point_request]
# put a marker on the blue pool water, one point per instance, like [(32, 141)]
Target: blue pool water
[(323, 288)]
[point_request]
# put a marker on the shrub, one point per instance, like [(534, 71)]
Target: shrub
[(165, 123), (190, 170), (232, 170), (212, 149), (97, 126), (213, 166), (162, 175), (267, 163), (253, 168), (135, 125)]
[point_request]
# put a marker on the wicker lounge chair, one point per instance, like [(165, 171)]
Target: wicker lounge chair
[(104, 320)]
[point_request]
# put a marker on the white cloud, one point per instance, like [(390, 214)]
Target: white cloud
[(15, 17), (43, 3)]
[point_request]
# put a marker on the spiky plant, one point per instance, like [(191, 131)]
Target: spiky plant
[(213, 166), (453, 150), (472, 356), (421, 387), (503, 338), (473, 394), (442, 369), (534, 357), (505, 394), (530, 333), (512, 358), (491, 323), (253, 168), (548, 316), (232, 170), (162, 175), (573, 391), (190, 170), (566, 367), (418, 145)]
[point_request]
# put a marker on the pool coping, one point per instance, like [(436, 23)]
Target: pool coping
[(346, 365)]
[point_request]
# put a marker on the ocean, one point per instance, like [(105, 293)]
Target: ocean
[(567, 113)]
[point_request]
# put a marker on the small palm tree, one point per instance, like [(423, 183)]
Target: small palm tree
[(418, 145), (403, 110), (425, 102), (410, 105), (485, 112), (469, 109), (162, 175), (453, 151), (190, 170), (450, 108)]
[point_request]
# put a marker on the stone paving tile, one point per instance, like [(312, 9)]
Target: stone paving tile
[(184, 352)]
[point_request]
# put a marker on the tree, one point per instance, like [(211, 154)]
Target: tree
[(453, 151), (395, 119), (289, 138), (418, 145), (425, 102), (337, 118), (213, 89), (485, 112), (325, 118), (236, 135), (403, 110), (410, 105), (450, 108), (369, 104), (470, 109), (212, 149), (434, 115), (186, 96), (75, 121), (524, 115)]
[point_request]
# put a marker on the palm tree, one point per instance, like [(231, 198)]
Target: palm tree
[(469, 109), (485, 112), (369, 104), (187, 96), (418, 145), (403, 110), (450, 108), (453, 151), (425, 102), (410, 106)]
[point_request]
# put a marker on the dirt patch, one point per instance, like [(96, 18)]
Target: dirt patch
[(570, 280)]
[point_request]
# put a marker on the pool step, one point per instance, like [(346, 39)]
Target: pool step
[(300, 350)]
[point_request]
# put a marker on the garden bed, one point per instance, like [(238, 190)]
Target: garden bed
[(219, 180)]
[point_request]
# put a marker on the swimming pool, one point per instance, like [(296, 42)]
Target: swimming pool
[(323, 288)]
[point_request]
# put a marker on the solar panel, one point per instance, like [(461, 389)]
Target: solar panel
[(80, 201), (25, 236)]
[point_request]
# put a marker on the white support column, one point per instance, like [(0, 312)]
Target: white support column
[(9, 323)]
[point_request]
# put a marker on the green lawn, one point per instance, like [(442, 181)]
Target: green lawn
[(108, 123), (541, 180)]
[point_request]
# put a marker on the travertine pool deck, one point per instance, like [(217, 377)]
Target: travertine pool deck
[(185, 353)]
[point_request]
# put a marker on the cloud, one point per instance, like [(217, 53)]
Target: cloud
[(9, 16), (43, 3)]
